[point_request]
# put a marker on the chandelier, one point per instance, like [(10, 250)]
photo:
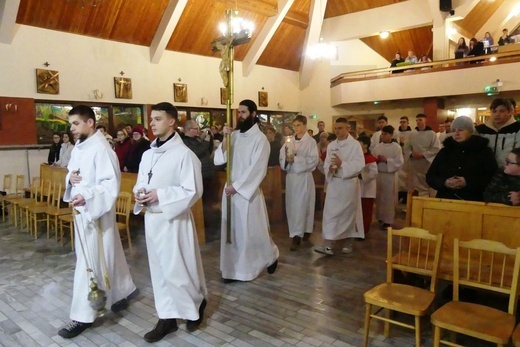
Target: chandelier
[(322, 51)]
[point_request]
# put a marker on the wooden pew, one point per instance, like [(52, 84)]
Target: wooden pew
[(58, 174), (465, 220), (271, 187)]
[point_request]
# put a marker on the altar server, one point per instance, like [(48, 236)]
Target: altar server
[(342, 213), (299, 157), (389, 160), (251, 248), (168, 184), (92, 186)]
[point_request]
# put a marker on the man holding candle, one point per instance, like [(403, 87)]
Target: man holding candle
[(342, 215), (299, 156)]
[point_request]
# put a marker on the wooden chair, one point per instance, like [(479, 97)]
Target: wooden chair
[(18, 193), (55, 210), (67, 221), (15, 202), (417, 252), (123, 208), (38, 199), (51, 199), (482, 264)]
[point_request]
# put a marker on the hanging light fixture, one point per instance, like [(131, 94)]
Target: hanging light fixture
[(322, 51), (384, 34)]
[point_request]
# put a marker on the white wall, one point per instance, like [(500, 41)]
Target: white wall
[(14, 162), (86, 63)]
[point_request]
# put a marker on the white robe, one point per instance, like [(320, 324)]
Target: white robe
[(101, 177), (426, 143), (171, 238), (252, 248), (300, 193), (386, 190), (368, 181), (376, 138), (402, 174), (342, 214)]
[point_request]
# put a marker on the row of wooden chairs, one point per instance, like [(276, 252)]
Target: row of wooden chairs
[(481, 264), (44, 205), (7, 188)]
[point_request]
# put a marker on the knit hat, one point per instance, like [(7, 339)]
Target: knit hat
[(138, 129), (463, 122)]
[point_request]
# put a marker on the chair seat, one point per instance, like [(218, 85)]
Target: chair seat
[(56, 211), (516, 336), (67, 218), (121, 226), (475, 320), (400, 297)]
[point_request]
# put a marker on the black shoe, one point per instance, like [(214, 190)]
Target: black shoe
[(228, 280), (296, 240), (272, 268), (192, 325), (73, 329), (123, 303), (163, 328)]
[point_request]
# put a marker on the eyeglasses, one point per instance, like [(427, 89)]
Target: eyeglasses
[(509, 162)]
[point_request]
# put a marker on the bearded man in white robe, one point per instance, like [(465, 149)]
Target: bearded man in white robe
[(342, 213), (423, 145), (251, 248), (299, 157), (168, 185), (389, 160), (92, 186)]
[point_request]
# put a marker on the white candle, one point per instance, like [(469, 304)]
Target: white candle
[(289, 146)]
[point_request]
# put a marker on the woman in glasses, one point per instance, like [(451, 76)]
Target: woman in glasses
[(464, 166), (504, 188)]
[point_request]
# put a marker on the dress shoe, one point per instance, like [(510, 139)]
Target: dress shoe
[(306, 237), (192, 325), (123, 303), (73, 329), (272, 268), (163, 328), (296, 240)]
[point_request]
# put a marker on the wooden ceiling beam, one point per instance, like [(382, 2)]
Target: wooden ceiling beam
[(8, 13), (312, 37), (264, 36), (164, 32)]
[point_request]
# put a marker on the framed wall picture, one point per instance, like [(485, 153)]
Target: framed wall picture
[(180, 92), (123, 87), (263, 100), (223, 96), (47, 81)]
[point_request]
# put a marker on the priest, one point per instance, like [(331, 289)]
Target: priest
[(251, 248), (92, 187), (169, 183)]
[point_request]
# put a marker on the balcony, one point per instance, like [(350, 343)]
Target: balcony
[(435, 79)]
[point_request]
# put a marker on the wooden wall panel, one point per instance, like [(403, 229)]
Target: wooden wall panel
[(340, 7), (285, 49), (17, 121), (478, 16)]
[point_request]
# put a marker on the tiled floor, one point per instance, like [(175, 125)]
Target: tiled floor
[(311, 300)]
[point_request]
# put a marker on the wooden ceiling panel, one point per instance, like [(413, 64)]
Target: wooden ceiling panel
[(194, 36), (418, 40), (340, 7), (478, 16), (285, 48)]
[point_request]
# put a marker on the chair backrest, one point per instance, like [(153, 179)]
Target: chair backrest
[(56, 194), (488, 265), (20, 183), (413, 250), (45, 191), (8, 183), (124, 204)]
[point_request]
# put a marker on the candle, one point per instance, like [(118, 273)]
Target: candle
[(289, 147)]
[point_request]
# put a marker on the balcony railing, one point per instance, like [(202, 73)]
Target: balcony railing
[(434, 66)]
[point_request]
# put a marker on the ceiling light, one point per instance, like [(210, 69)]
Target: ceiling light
[(492, 59), (384, 34)]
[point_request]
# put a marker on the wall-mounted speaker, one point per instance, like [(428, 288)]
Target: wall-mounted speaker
[(445, 5)]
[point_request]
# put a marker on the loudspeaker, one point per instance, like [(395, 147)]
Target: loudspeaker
[(445, 5)]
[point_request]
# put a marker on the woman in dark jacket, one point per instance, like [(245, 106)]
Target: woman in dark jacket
[(464, 167), (122, 146), (504, 187), (137, 148)]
